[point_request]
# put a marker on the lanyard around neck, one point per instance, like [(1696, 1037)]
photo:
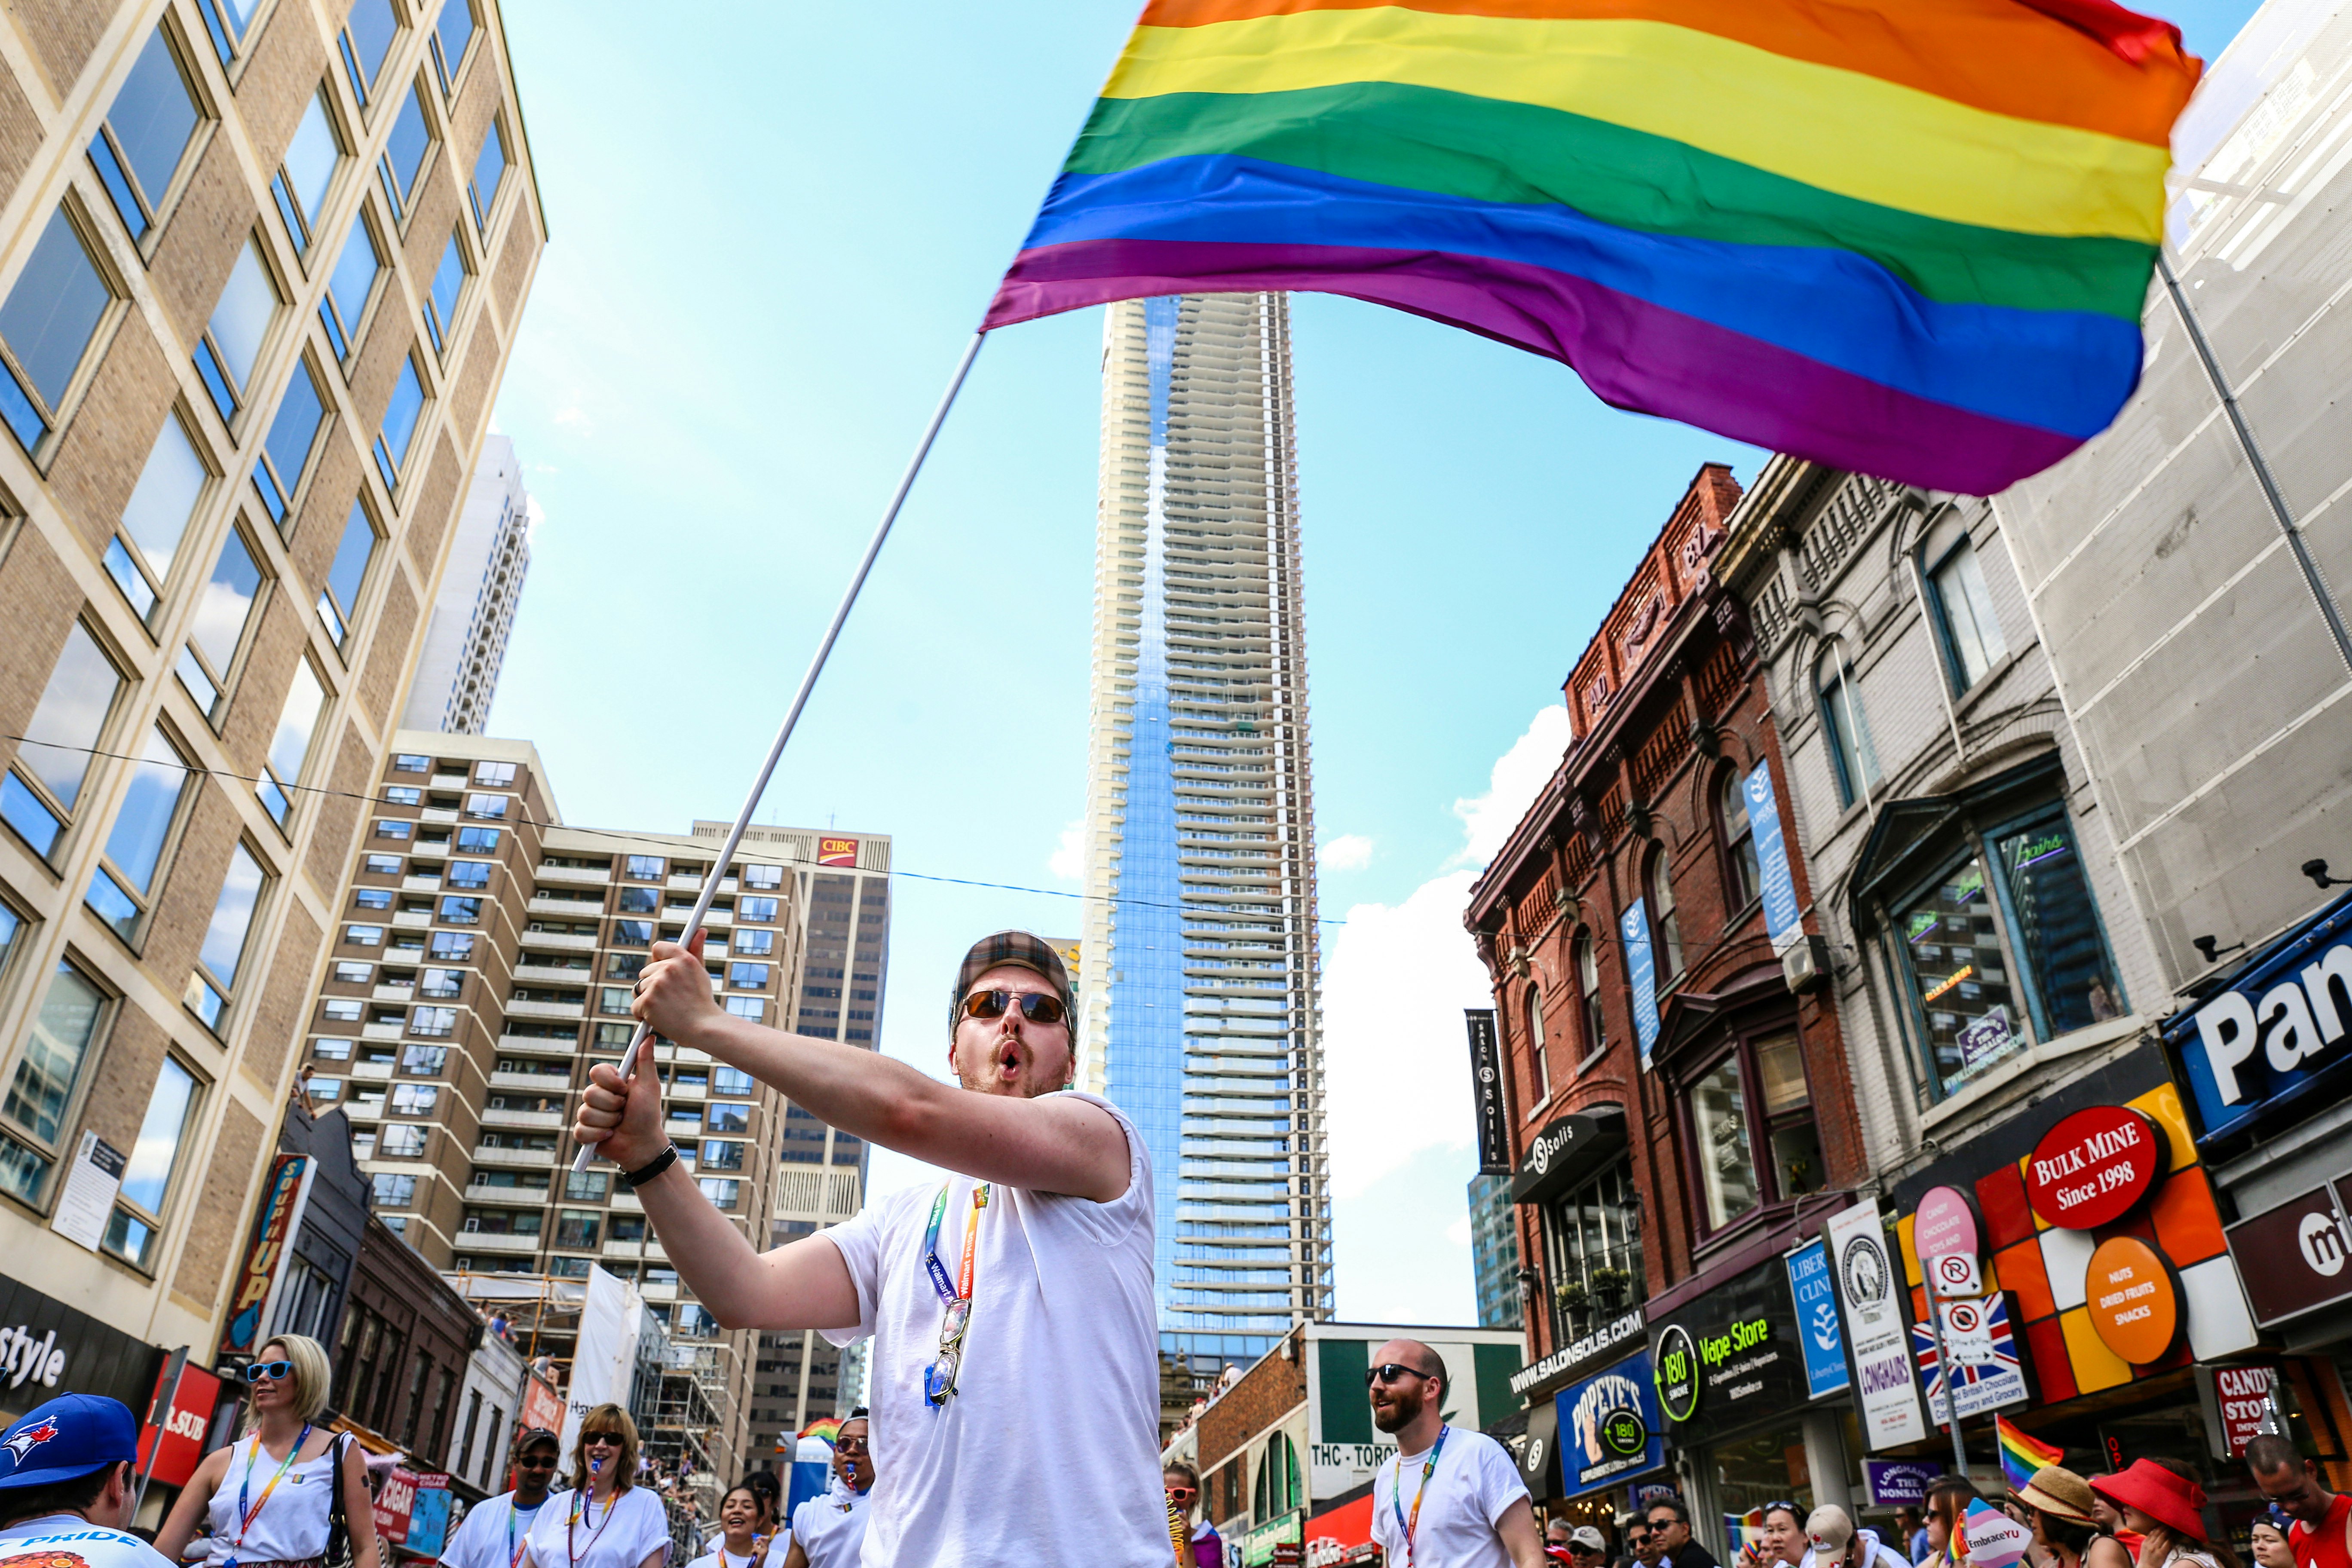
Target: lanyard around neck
[(1411, 1526), (583, 1500), (244, 1488), (516, 1549), (961, 1288)]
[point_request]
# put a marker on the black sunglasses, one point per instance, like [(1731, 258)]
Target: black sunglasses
[(850, 1445), (1390, 1370), (611, 1437), (1037, 1006), (535, 1462), (272, 1371)]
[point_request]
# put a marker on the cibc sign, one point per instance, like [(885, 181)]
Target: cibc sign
[(2095, 1166)]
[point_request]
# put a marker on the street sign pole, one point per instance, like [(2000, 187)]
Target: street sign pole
[(159, 1415), (1944, 1361)]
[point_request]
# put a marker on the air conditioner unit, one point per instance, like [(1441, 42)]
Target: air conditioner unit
[(1806, 964)]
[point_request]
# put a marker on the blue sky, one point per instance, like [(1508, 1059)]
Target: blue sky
[(771, 230)]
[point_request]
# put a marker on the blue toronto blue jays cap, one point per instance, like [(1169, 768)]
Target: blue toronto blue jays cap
[(68, 1438)]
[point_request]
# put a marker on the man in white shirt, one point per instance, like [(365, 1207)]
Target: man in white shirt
[(493, 1533), (1449, 1498), (66, 1485), (1026, 1274)]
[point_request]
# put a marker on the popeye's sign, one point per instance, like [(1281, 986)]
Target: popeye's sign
[(2094, 1166)]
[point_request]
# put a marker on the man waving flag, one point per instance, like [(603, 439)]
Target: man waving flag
[(1910, 237)]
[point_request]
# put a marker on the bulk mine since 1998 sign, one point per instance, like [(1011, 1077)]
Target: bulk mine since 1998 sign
[(2094, 1166)]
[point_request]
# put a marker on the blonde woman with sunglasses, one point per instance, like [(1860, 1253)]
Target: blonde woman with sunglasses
[(268, 1500), (604, 1520)]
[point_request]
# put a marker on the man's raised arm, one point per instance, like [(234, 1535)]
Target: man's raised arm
[(1000, 1133)]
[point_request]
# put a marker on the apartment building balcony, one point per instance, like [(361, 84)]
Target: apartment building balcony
[(537, 1159), (545, 1082), (679, 884), (551, 973), (534, 1046), (521, 1008), (665, 1293), (649, 1249), (415, 919), (420, 884), (570, 940), (677, 913), (493, 1241), (627, 1202), (448, 781), (694, 1091), (519, 1197), (439, 814), (425, 848), (358, 1109), (537, 1120), (399, 991), (566, 909), (688, 1124), (391, 1031), (576, 876), (378, 1071)]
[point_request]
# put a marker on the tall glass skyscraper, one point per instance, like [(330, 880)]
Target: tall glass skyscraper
[(1201, 1009)]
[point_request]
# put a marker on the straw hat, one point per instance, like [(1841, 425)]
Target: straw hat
[(2172, 1500), (2060, 1493)]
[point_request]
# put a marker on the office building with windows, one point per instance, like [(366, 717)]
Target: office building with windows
[(486, 958), (466, 635), (1495, 1251), (841, 887), (1199, 1014), (260, 270)]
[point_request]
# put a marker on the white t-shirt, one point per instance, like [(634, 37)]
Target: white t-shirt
[(831, 1530), (720, 1557), (1061, 1368), (70, 1535), (634, 1527), (1474, 1483), (481, 1540)]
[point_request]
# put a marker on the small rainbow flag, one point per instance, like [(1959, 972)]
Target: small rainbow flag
[(1908, 238), (2022, 1454)]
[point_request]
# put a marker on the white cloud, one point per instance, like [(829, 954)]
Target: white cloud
[(1458, 1233), (1520, 775), (1068, 860), (1396, 980), (1349, 852)]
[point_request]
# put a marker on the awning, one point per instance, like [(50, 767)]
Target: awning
[(1540, 1454), (1567, 1150)]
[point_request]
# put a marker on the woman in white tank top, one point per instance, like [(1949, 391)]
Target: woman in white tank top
[(267, 1499)]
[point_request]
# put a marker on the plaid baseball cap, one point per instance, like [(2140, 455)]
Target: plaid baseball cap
[(66, 1438), (1018, 948)]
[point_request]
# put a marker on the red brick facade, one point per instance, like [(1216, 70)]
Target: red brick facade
[(1669, 705)]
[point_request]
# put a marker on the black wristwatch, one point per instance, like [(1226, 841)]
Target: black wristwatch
[(654, 1167)]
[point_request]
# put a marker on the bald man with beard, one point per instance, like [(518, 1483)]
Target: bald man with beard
[(1450, 1499)]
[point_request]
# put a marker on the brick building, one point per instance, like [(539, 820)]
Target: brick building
[(260, 270), (1680, 1111)]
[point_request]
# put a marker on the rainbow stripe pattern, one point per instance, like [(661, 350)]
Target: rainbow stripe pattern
[(2020, 1455), (1908, 238)]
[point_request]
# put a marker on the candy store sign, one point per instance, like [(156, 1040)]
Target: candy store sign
[(2093, 1167)]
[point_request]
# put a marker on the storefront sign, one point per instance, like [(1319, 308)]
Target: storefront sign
[(2262, 1045), (178, 1443), (1818, 1338), (2093, 1167), (428, 1517), (1640, 968), (2293, 1258), (1343, 1535), (1783, 921), (1261, 1546), (2135, 1304), (1608, 1428), (1875, 1329), (1945, 1224), (1892, 1483), (1730, 1356), (273, 1224), (1985, 1373), (837, 852), (1539, 1451), (46, 1349), (1607, 1337), (2245, 1395), (1486, 1093)]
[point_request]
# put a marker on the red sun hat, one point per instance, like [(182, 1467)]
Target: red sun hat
[(2172, 1500)]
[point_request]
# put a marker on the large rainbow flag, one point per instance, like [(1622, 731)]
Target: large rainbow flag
[(1910, 237)]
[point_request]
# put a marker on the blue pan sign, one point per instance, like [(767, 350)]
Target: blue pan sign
[(2281, 1030)]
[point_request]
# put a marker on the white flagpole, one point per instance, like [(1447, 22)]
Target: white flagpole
[(808, 683)]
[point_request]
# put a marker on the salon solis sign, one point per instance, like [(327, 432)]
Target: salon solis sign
[(2093, 1167)]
